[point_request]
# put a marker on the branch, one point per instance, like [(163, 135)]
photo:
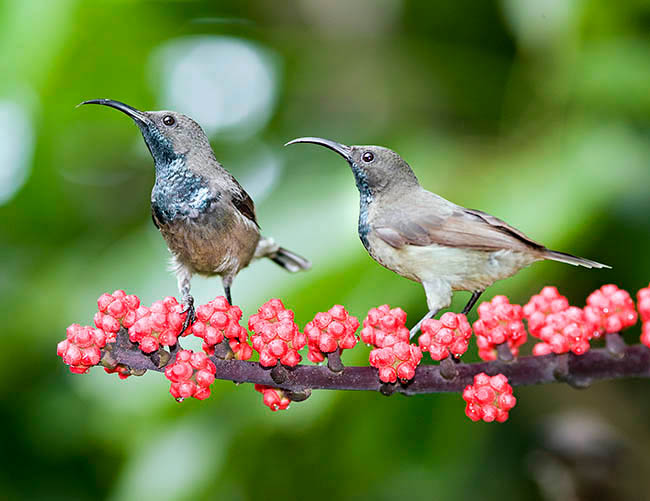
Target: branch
[(578, 371)]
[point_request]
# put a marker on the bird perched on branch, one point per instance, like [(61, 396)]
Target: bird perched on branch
[(423, 237), (203, 213)]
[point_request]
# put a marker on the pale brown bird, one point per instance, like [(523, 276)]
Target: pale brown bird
[(423, 237)]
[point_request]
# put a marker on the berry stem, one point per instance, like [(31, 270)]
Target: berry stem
[(504, 354), (615, 345), (448, 368), (334, 361), (578, 371)]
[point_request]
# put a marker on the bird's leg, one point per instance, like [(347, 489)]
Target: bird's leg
[(184, 276), (472, 301), (416, 329), (227, 282), (189, 319)]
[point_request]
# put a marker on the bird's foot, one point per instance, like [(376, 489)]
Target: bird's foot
[(189, 310)]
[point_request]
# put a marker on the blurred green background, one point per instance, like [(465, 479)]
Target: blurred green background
[(535, 111)]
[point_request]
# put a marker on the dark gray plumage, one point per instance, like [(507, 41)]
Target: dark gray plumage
[(426, 238), (206, 217)]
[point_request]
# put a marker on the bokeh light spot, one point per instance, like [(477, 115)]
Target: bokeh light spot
[(224, 83)]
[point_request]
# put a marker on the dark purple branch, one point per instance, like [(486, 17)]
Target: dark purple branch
[(578, 371)]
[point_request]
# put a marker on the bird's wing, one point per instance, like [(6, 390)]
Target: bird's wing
[(423, 225), (244, 203)]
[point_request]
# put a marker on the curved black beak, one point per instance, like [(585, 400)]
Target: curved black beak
[(341, 149), (137, 115)]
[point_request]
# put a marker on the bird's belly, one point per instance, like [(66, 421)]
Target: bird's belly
[(211, 245), (463, 269)]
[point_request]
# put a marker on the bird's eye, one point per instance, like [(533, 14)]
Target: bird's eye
[(169, 120), (368, 157)]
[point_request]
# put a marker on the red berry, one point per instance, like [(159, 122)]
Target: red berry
[(397, 360), (217, 320), (82, 347), (156, 326), (489, 398), (499, 322), (330, 330), (565, 331), (548, 301), (275, 335), (643, 303), (645, 333), (384, 327), (610, 309), (273, 398), (449, 334), (116, 310), (191, 375)]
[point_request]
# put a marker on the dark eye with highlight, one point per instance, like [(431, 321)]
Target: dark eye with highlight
[(169, 120), (368, 157)]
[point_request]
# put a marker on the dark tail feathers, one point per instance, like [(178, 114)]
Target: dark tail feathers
[(289, 261)]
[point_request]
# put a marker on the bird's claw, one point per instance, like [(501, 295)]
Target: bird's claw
[(191, 314)]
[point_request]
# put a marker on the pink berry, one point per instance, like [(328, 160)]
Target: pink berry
[(450, 334), (275, 335), (82, 347), (191, 375), (396, 360), (499, 322), (273, 398), (643, 303), (645, 333), (489, 398), (610, 309), (384, 326), (329, 331), (548, 301)]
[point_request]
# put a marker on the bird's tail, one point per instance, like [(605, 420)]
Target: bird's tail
[(281, 256), (574, 260)]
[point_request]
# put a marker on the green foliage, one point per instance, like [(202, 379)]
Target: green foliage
[(539, 115)]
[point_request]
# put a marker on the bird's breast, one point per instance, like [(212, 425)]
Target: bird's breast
[(206, 233), (181, 194)]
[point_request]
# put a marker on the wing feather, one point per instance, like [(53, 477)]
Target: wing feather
[(436, 221)]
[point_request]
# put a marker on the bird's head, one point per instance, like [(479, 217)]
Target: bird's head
[(375, 168), (168, 134)]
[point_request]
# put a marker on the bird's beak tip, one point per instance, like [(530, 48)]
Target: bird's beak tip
[(137, 115), (339, 148), (92, 101)]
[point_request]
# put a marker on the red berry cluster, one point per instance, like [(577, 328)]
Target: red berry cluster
[(499, 322), (276, 336), (386, 330), (273, 398), (116, 310), (396, 361), (548, 301), (643, 303), (489, 398), (191, 375), (610, 309), (218, 319), (383, 326), (564, 331), (81, 348), (330, 330), (450, 334), (159, 325)]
